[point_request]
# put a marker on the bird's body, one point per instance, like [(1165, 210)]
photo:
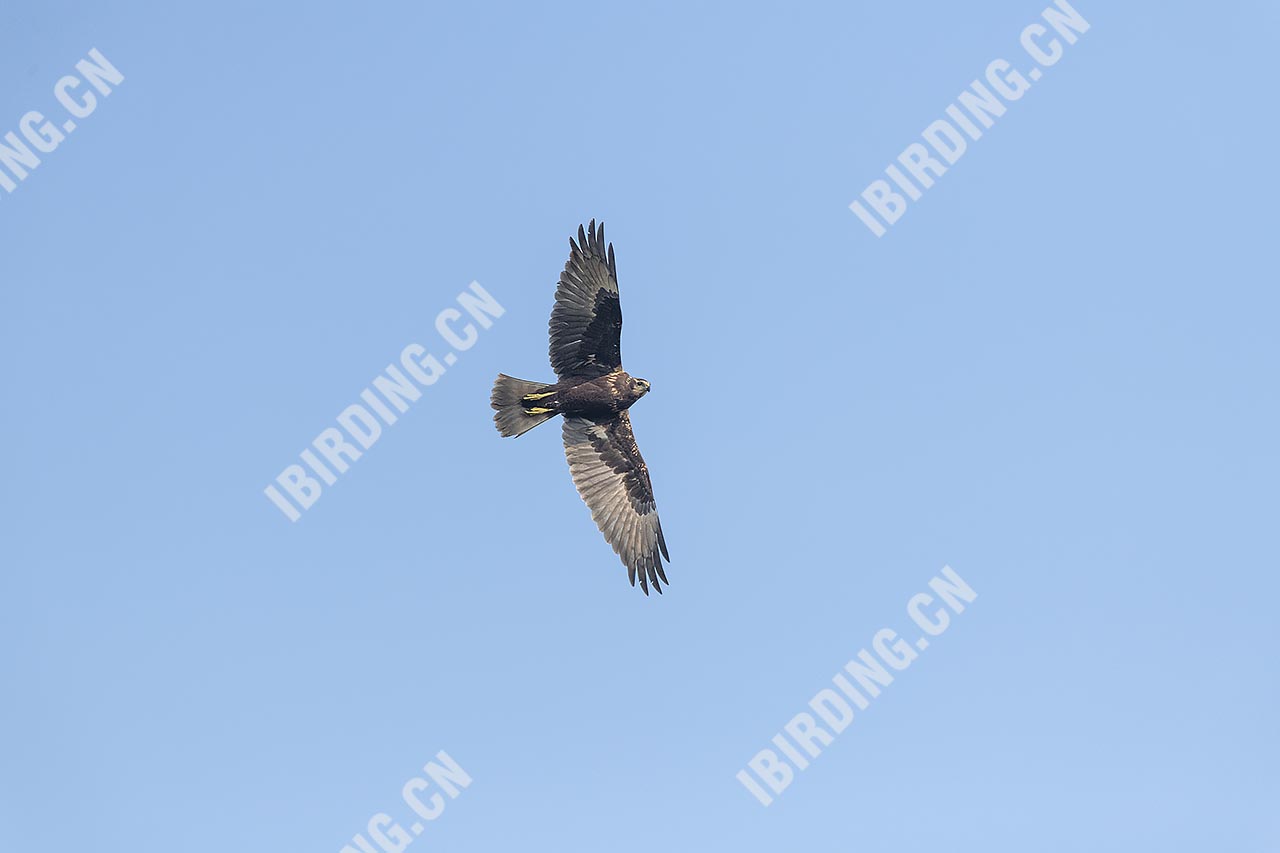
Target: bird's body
[(593, 394), (603, 397)]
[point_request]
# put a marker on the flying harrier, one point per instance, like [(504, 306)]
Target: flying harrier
[(593, 394)]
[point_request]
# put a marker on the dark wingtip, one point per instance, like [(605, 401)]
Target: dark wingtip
[(651, 567), (591, 241)]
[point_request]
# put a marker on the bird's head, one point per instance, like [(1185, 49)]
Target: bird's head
[(640, 386)]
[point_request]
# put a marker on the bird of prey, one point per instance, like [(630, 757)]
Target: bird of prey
[(593, 393)]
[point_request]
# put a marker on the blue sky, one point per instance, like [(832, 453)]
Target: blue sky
[(1056, 374)]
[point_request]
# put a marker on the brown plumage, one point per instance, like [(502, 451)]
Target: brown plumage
[(593, 394)]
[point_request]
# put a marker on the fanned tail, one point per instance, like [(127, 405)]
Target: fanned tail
[(514, 416)]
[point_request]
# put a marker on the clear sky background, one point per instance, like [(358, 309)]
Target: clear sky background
[(1057, 374)]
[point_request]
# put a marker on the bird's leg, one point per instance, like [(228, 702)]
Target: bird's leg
[(528, 400)]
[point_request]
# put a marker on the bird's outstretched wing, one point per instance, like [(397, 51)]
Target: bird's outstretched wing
[(586, 323), (614, 482)]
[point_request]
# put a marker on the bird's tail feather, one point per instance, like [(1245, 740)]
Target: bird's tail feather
[(513, 418)]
